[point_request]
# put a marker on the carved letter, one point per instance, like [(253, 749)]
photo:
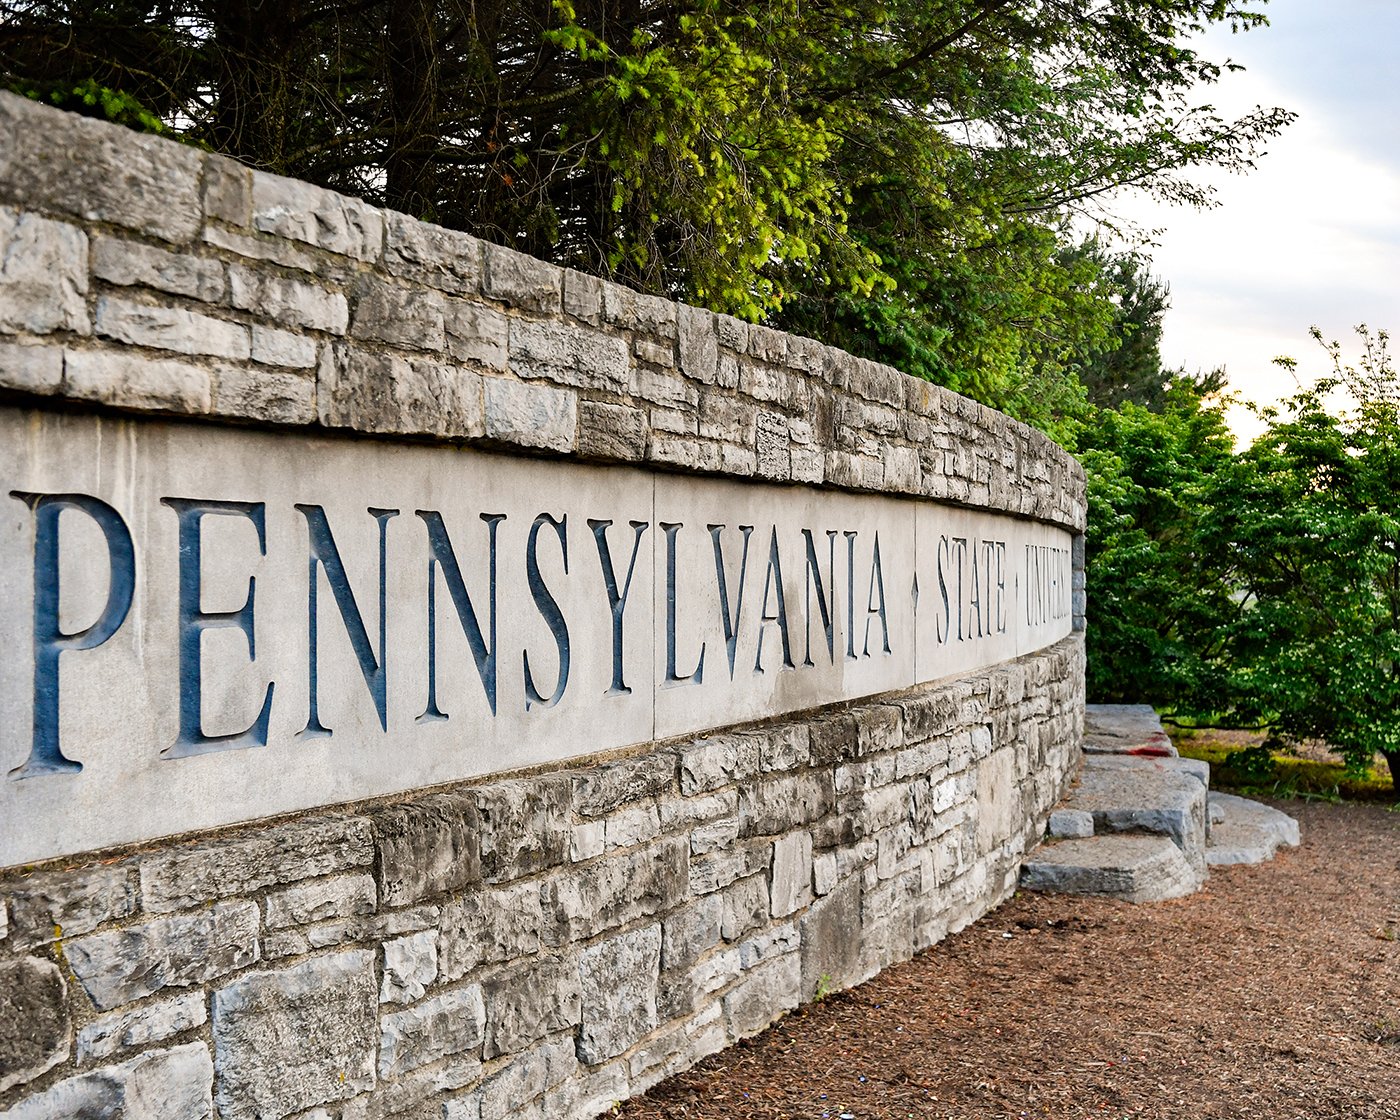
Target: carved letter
[(877, 589), (671, 678), (851, 594), (45, 754), (193, 622), (324, 551), (943, 627), (814, 570), (441, 552), (549, 609), (731, 625), (773, 576), (617, 603)]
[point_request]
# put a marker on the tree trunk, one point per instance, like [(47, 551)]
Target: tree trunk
[(1392, 759)]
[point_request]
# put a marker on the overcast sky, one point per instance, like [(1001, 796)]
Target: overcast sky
[(1312, 236)]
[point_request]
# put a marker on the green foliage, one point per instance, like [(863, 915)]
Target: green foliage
[(93, 100)]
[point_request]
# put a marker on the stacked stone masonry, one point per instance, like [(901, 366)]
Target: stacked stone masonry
[(542, 944)]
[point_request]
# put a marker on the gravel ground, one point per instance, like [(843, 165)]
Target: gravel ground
[(1275, 992)]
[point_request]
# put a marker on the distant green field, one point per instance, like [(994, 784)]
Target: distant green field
[(1253, 770)]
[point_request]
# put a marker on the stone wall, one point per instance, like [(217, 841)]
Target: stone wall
[(545, 942)]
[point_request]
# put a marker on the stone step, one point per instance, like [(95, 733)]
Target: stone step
[(1245, 831), (1133, 868), (1132, 729), (1147, 800)]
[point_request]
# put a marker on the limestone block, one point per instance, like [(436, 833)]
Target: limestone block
[(792, 873), (737, 461), (260, 394), (392, 1098), (1133, 868), (587, 841), (58, 904), (293, 1039), (152, 1022), (781, 804), (262, 248), (768, 345), (824, 877), (378, 392), (31, 368), (522, 281), (170, 328), (427, 846), (525, 827), (618, 979), (228, 190), (373, 928), (699, 343), (998, 800), (785, 746), (637, 312), (692, 455), (830, 934), (605, 894), (530, 1002), (292, 302), (530, 415), (583, 296), (715, 836), (568, 355), (1137, 801), (157, 1085), (303, 212), (132, 263), (584, 1098), (129, 381), (765, 992), (746, 905), (1241, 810), (631, 826), (768, 945), (611, 431), (684, 812), (506, 1092), (691, 931), (602, 789), (446, 259), (410, 965), (714, 761), (305, 849), (43, 274), (447, 1024), (1071, 824), (64, 163), (125, 964), (283, 348), (655, 353), (716, 870), (407, 317), (35, 1025), (485, 926), (477, 333)]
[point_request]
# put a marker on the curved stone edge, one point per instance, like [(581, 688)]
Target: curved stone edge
[(146, 275), (541, 944)]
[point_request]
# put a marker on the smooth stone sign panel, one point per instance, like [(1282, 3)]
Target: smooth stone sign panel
[(205, 625)]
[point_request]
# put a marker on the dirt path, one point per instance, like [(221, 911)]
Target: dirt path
[(1273, 993)]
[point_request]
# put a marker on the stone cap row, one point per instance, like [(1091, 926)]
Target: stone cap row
[(178, 281)]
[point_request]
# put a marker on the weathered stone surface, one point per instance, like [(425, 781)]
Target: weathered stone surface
[(58, 904), (1133, 868), (391, 1098), (305, 849), (293, 302), (619, 993), (228, 190), (1241, 810), (604, 788), (128, 381), (64, 163), (1124, 728), (1071, 824), (522, 281), (1237, 843), (718, 869), (158, 1085), (688, 933), (587, 841), (777, 805), (427, 846), (132, 263), (530, 1002), (998, 799), (611, 431), (262, 248), (486, 926), (330, 221), (530, 415), (125, 964), (609, 892), (477, 333), (699, 343), (583, 296), (524, 827), (715, 761), (1136, 801), (568, 355), (375, 928), (31, 368), (514, 1090), (399, 315), (259, 394), (43, 274), (283, 348), (152, 1022), (446, 259), (830, 933), (792, 873), (170, 328), (1193, 767), (35, 1025), (447, 1024), (410, 965), (386, 393), (289, 1040), (746, 905), (716, 836), (631, 826), (766, 991)]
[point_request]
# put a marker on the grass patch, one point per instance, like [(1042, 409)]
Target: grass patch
[(1249, 768)]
